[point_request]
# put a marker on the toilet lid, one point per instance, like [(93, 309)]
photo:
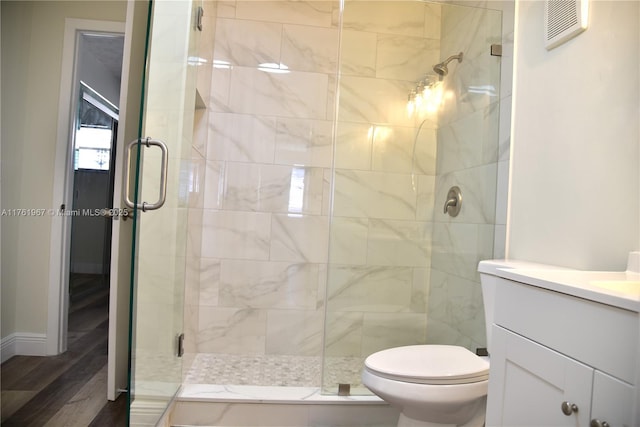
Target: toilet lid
[(429, 364)]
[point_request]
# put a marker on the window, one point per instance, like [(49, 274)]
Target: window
[(94, 130)]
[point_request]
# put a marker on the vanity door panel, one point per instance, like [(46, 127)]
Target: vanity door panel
[(529, 384)]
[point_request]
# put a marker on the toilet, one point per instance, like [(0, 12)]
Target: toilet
[(437, 385)]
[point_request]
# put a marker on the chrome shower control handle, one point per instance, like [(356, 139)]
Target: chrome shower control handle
[(597, 423), (454, 201), (568, 408), (450, 203)]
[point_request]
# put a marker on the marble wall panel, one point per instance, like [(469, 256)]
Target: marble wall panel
[(209, 281), (406, 58), (376, 101), (425, 201), (213, 184), (299, 238), (226, 8), (369, 288), (374, 195), (456, 314), (231, 330), (220, 84), (478, 186), (358, 53), (196, 181), (386, 17), (343, 333), (272, 188), (425, 150), (263, 284), (394, 149), (432, 21), (353, 146), (304, 142), (247, 43), (288, 94), (420, 290), (241, 138), (469, 142), (470, 29), (399, 243), (386, 330), (233, 234), (313, 49), (312, 13), (295, 332), (349, 240)]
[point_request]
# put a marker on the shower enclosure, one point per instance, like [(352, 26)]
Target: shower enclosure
[(305, 202)]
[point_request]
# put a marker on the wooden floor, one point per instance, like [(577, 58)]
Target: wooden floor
[(69, 389)]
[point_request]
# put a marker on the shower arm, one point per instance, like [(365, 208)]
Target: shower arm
[(451, 58)]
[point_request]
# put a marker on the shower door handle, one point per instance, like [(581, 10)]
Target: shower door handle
[(162, 196)]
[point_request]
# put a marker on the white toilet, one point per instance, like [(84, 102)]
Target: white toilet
[(436, 385)]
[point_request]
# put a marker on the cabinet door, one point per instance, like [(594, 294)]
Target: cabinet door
[(612, 401), (528, 384)]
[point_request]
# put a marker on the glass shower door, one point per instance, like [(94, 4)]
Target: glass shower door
[(159, 198), (400, 270)]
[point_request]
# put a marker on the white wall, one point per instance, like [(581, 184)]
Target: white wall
[(575, 158), (32, 42)]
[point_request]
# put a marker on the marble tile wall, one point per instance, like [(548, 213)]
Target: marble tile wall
[(267, 162), (472, 144)]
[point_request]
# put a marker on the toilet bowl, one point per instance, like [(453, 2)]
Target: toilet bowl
[(432, 385), (437, 385)]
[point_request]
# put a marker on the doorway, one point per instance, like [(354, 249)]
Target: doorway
[(95, 115), (94, 139)]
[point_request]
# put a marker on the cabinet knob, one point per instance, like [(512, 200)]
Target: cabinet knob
[(569, 408), (597, 423)]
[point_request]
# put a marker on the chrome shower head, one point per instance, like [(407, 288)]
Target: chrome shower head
[(441, 68)]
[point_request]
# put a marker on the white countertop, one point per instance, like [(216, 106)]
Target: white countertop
[(619, 289)]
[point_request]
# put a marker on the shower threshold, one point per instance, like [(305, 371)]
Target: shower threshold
[(261, 406), (271, 394)]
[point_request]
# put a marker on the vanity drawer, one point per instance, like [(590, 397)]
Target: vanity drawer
[(593, 333)]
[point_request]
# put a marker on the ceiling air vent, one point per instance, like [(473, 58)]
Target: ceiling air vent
[(563, 20)]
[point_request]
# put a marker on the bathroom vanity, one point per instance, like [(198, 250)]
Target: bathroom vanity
[(565, 348)]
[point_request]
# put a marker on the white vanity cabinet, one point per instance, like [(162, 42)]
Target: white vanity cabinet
[(560, 360)]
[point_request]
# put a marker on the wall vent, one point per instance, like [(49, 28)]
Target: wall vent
[(563, 20)]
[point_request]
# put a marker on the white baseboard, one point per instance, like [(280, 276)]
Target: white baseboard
[(23, 344)]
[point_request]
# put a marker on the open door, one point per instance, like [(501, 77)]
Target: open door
[(120, 293), (156, 192)]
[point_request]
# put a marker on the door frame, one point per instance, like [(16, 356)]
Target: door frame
[(60, 240)]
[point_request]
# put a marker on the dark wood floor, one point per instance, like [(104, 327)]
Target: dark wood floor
[(69, 389)]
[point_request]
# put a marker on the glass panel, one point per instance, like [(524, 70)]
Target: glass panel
[(161, 235), (265, 209), (400, 271)]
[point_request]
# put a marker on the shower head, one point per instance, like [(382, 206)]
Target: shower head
[(441, 68)]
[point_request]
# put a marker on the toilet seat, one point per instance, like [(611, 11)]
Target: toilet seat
[(428, 364)]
